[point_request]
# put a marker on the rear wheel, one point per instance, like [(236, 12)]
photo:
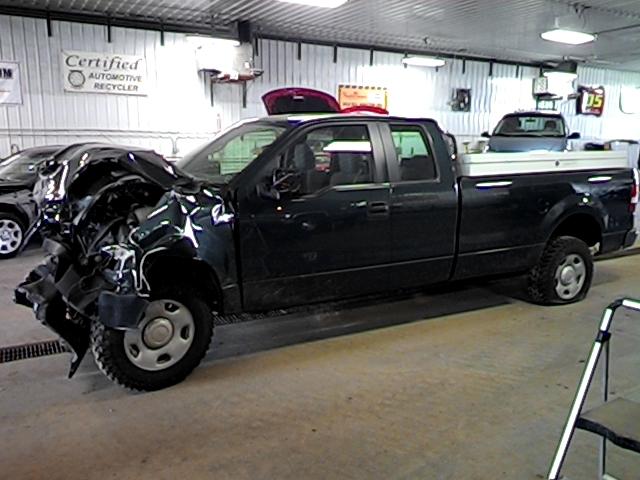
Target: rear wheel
[(170, 341), (563, 273), (11, 235)]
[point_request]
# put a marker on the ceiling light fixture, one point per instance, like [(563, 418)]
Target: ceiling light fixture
[(569, 37), (200, 41), (561, 75), (423, 61), (318, 3)]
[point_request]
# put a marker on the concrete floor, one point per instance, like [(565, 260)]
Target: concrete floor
[(464, 383)]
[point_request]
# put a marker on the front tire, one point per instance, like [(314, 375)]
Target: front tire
[(11, 235), (563, 274), (171, 340)]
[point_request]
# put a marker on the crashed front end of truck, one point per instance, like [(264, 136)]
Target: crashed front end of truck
[(121, 228)]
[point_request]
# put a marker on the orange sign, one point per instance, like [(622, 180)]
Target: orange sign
[(354, 96)]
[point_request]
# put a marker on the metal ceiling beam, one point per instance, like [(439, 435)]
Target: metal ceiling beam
[(359, 46), (619, 29), (114, 21), (599, 8), (161, 26)]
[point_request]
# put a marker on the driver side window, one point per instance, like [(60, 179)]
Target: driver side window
[(328, 156)]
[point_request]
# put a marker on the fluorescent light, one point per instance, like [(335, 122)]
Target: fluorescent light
[(561, 75), (570, 37), (423, 61), (318, 3)]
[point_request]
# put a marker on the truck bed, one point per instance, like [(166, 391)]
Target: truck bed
[(487, 164), (509, 209)]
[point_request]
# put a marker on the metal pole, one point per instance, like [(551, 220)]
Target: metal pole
[(605, 395)]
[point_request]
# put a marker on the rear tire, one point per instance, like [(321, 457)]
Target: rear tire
[(12, 232), (563, 274), (177, 326)]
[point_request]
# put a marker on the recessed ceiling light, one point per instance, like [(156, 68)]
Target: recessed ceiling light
[(423, 61), (318, 3), (570, 37)]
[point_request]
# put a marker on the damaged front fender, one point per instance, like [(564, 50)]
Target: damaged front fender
[(196, 227)]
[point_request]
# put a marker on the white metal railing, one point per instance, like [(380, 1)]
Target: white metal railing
[(600, 343)]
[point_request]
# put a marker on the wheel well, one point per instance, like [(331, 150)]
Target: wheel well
[(581, 226), (4, 208), (197, 275)]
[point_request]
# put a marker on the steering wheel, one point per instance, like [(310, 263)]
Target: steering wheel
[(286, 180)]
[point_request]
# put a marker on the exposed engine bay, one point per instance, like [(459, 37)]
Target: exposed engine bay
[(107, 214)]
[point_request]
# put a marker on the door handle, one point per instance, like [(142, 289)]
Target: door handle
[(600, 179), (378, 208), (308, 226), (500, 184)]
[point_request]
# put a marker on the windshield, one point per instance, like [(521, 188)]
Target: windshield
[(535, 125), (227, 155), (22, 166)]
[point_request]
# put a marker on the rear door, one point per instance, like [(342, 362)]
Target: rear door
[(328, 239), (424, 204)]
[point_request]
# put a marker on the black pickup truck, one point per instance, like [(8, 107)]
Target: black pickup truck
[(289, 210)]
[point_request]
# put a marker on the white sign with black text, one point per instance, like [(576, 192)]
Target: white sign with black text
[(112, 73), (10, 91)]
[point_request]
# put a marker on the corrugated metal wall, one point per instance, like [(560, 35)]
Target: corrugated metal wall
[(178, 112), (413, 91)]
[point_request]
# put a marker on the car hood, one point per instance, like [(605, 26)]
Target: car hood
[(66, 170), (505, 144), (299, 100), (8, 186)]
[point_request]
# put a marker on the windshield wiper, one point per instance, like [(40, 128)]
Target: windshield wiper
[(529, 135)]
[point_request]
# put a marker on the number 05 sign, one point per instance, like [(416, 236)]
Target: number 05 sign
[(591, 101)]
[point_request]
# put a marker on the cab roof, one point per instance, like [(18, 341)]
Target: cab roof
[(297, 119), (534, 113)]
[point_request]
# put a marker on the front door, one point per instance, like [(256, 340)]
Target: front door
[(424, 205), (328, 236)]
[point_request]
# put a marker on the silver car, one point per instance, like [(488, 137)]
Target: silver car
[(530, 131)]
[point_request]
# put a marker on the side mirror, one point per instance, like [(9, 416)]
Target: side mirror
[(485, 135), (452, 144), (267, 192), (574, 136)]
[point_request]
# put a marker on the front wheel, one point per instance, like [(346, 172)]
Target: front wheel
[(11, 235), (170, 341), (563, 274)]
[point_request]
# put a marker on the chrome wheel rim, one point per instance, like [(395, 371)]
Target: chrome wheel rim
[(163, 337), (570, 276), (10, 236)]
